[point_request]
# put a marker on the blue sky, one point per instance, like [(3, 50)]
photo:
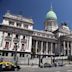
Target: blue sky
[(37, 9)]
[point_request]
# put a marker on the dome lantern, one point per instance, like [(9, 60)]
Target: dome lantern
[(51, 15)]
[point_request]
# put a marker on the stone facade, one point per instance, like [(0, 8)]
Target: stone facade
[(18, 36)]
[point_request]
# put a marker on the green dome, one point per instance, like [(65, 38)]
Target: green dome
[(51, 15)]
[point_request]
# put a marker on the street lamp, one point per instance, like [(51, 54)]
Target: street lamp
[(1, 59), (69, 56), (15, 55), (40, 60)]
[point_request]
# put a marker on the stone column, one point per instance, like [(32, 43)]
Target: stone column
[(51, 48), (36, 46), (19, 44), (67, 48), (42, 47), (27, 45), (56, 47), (46, 47), (64, 48), (12, 43), (3, 41), (71, 48)]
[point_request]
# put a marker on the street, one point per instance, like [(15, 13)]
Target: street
[(52, 69)]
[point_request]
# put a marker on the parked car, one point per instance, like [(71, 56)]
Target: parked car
[(60, 64), (47, 65), (54, 65), (41, 65), (9, 66)]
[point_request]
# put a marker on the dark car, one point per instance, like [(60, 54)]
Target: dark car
[(41, 65), (47, 65), (60, 64), (54, 65)]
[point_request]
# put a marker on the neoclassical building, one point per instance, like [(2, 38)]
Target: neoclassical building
[(17, 35)]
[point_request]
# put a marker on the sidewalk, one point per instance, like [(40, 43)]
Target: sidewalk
[(29, 66), (68, 64)]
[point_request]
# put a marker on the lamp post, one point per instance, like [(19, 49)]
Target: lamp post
[(69, 57), (40, 60), (1, 59), (28, 56), (15, 55)]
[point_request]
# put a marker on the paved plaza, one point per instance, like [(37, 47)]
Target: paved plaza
[(53, 69)]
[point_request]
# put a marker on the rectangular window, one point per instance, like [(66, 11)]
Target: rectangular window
[(23, 37), (4, 54), (15, 46), (18, 25), (23, 47), (12, 54), (17, 36), (7, 45), (11, 23), (25, 26), (8, 34), (21, 54)]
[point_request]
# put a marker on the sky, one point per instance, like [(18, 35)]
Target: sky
[(37, 10)]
